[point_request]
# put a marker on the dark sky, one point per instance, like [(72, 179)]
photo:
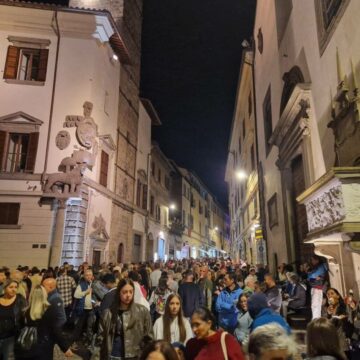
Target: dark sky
[(191, 52)]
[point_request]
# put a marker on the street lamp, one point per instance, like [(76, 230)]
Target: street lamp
[(172, 206), (241, 175), (216, 228)]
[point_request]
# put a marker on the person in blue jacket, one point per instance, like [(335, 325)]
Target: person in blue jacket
[(259, 309), (226, 303)]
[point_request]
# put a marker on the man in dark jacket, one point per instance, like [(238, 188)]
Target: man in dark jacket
[(190, 294), (110, 283), (296, 299)]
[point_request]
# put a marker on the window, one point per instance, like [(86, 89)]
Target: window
[(239, 145), (26, 63), (252, 157), (18, 151), (200, 227), (183, 218), (158, 213), (244, 129), (167, 182), (200, 208), (138, 193), (144, 196), (9, 213), (159, 176), (191, 221), (152, 168), (104, 167), (267, 120), (249, 104), (328, 14), (152, 205)]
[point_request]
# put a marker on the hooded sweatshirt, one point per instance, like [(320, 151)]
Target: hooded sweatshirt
[(262, 314)]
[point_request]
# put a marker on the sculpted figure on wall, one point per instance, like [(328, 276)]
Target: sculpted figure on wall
[(100, 232), (86, 131), (62, 140)]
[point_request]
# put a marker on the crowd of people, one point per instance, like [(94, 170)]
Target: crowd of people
[(179, 310)]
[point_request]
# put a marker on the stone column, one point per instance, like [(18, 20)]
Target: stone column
[(56, 247)]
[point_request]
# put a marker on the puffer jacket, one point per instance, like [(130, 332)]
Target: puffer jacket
[(136, 324), (226, 308), (242, 330)]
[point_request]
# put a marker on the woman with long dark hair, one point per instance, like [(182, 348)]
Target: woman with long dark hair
[(336, 311), (123, 327), (172, 326), (209, 343)]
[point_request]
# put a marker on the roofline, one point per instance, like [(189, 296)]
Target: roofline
[(149, 107), (121, 49), (155, 145)]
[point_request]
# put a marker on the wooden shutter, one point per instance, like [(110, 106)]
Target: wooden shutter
[(31, 153), (2, 149), (104, 168), (12, 61), (44, 54)]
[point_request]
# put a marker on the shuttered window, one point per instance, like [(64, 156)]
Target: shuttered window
[(144, 197), (9, 213), (138, 193), (18, 151), (26, 64), (104, 168)]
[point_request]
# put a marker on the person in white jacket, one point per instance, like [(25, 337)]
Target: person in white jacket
[(173, 326), (139, 298)]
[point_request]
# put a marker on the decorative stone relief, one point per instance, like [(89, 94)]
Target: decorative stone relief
[(86, 131), (100, 232), (326, 209), (62, 140), (352, 202)]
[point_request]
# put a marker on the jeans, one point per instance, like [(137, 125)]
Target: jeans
[(6, 347)]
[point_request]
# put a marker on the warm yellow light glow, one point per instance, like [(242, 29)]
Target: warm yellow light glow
[(241, 175)]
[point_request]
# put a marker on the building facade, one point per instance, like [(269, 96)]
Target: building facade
[(58, 117), (306, 79), (241, 172)]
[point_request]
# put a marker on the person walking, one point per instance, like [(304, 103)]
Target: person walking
[(42, 316), (272, 293), (11, 307), (123, 326), (66, 286), (173, 326), (206, 286), (226, 303), (209, 343), (158, 299), (190, 294)]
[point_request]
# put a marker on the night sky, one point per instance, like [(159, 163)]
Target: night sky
[(191, 52)]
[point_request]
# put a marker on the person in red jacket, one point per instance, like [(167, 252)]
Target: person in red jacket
[(207, 343)]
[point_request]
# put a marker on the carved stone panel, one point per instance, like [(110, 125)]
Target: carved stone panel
[(325, 209)]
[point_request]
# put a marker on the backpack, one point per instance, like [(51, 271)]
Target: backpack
[(28, 338)]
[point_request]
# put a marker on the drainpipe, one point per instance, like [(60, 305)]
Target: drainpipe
[(57, 32), (259, 166), (60, 215), (147, 205)]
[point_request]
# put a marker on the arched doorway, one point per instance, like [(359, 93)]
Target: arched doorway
[(120, 253)]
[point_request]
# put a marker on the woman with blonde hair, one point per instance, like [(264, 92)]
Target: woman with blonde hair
[(42, 318)]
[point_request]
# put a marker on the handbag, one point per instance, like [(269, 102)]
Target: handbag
[(223, 345), (28, 338)]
